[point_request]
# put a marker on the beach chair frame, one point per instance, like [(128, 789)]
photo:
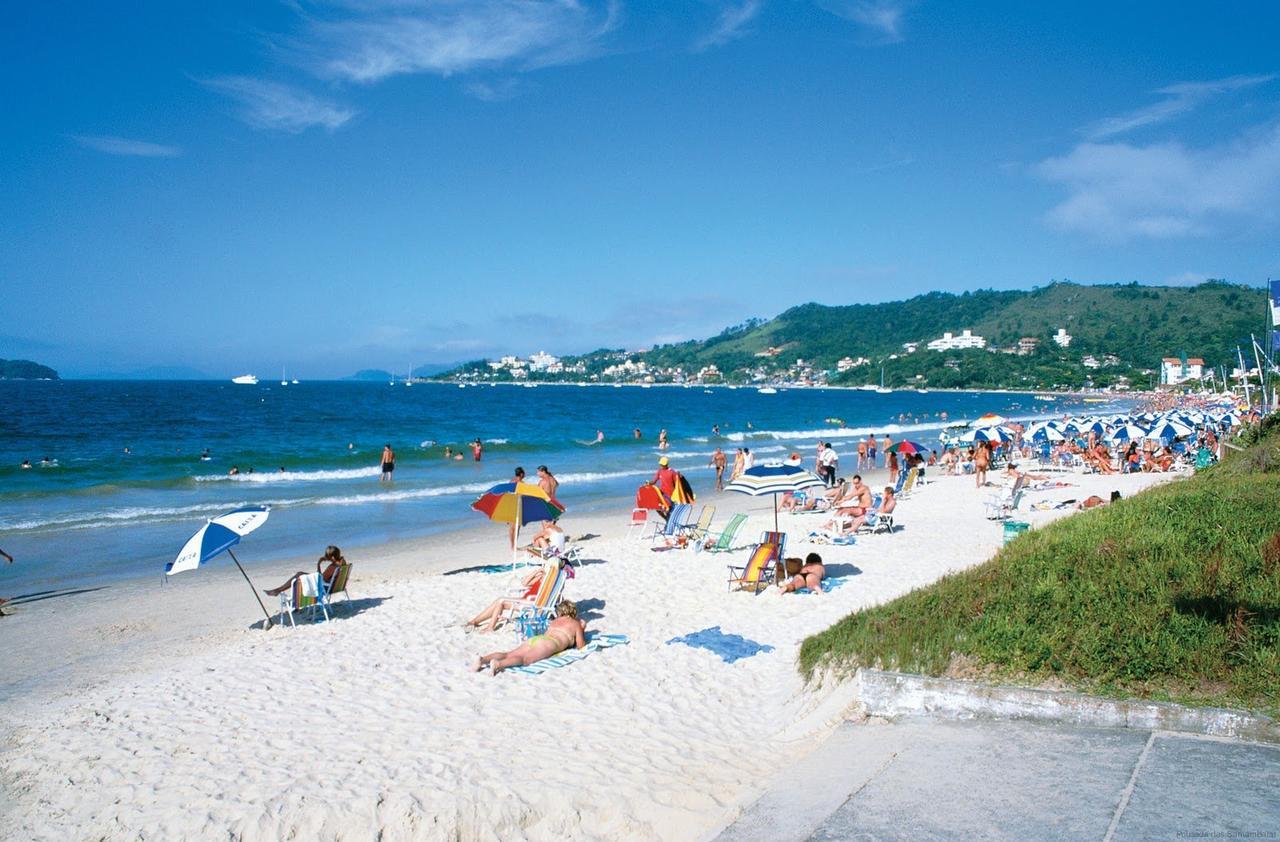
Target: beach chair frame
[(766, 572), (724, 538)]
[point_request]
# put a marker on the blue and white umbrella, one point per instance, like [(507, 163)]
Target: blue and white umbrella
[(219, 535), (773, 479), (1000, 434), (1168, 431), (1044, 433), (1128, 432)]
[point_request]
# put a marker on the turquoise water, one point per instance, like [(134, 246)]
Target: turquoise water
[(99, 512)]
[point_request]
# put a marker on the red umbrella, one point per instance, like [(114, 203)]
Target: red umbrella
[(649, 496)]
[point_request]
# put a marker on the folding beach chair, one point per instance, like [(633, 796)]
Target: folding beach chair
[(543, 603), (310, 592), (723, 540), (908, 484), (676, 521), (760, 570), (639, 523), (1001, 506), (698, 531)]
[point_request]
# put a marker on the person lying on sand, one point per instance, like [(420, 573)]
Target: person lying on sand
[(564, 631), (808, 575), (332, 554), (493, 613)]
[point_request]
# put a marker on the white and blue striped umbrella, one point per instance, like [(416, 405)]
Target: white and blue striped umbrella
[(219, 535), (1045, 432), (1001, 434), (1128, 432), (773, 479), (1168, 431)]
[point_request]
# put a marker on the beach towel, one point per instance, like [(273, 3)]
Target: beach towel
[(827, 585), (828, 538), (730, 647), (595, 643)]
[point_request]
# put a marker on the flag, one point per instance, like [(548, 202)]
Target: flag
[(1275, 304)]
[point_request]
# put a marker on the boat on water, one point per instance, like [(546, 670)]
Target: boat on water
[(1095, 400), (922, 391), (1045, 398), (883, 389), (767, 390), (245, 380)]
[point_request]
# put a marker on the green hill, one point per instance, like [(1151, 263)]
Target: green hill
[(1128, 328)]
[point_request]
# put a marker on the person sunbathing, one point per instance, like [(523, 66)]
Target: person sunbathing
[(809, 576), (332, 554), (565, 631), (493, 613)]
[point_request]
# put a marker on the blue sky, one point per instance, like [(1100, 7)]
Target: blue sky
[(237, 186)]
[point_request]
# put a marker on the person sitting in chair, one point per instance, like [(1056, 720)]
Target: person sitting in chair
[(493, 613), (869, 518), (332, 554), (551, 538)]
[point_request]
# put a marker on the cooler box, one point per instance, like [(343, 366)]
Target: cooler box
[(1014, 528)]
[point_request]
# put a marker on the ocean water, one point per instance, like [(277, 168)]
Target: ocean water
[(98, 512)]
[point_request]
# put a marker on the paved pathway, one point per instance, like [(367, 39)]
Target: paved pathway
[(921, 779)]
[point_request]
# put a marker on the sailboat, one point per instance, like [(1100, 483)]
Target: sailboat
[(882, 389), (284, 381)]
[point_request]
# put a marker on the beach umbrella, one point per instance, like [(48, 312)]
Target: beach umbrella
[(220, 534), (994, 434), (649, 496), (1045, 432), (990, 420), (773, 479), (908, 448), (1168, 431), (1126, 432), (518, 503)]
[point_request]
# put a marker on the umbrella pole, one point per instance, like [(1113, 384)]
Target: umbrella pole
[(515, 535), (775, 512), (252, 588)]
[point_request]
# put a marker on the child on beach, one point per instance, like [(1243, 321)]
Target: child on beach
[(564, 631)]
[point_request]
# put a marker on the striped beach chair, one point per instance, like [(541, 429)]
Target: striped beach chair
[(725, 538), (760, 570)]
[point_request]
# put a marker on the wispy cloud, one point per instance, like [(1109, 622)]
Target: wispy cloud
[(1179, 99), (1119, 191), (495, 90), (731, 24), (370, 41), (880, 19), (111, 145), (273, 105)]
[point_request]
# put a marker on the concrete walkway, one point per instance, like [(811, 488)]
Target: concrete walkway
[(924, 779)]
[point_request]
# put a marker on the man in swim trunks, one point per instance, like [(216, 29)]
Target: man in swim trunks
[(388, 462), (565, 631), (719, 461)]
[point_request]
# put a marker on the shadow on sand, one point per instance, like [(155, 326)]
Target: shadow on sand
[(340, 610)]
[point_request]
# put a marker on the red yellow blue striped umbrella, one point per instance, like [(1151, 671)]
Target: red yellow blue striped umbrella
[(518, 503)]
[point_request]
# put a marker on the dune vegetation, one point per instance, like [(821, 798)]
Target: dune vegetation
[(1173, 594)]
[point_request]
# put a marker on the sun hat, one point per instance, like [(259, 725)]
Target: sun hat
[(663, 461)]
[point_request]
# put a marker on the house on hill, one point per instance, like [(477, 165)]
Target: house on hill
[(949, 342), (1174, 370)]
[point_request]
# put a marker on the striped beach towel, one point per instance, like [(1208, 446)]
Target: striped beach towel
[(827, 585), (569, 656)]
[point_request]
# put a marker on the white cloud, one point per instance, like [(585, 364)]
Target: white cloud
[(111, 145), (272, 105), (371, 41), (881, 19), (1118, 191), (1179, 99), (730, 24), (495, 90)]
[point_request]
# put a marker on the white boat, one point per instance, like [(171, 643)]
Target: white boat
[(245, 380), (284, 381), (882, 389), (1045, 398), (923, 391), (767, 390)]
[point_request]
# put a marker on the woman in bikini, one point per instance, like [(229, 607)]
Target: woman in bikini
[(332, 554), (491, 615), (565, 631), (809, 576)]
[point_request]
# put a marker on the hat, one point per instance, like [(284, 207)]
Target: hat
[(663, 461)]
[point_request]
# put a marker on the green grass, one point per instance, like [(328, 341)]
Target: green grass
[(1173, 594)]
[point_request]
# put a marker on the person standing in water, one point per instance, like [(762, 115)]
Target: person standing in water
[(477, 450), (388, 462), (719, 461), (662, 439)]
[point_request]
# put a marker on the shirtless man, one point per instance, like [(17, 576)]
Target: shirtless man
[(871, 451), (388, 462), (719, 461), (857, 501), (564, 631), (547, 482), (862, 456), (887, 504)]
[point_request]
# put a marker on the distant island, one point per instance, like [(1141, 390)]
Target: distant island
[(1061, 336), (25, 370)]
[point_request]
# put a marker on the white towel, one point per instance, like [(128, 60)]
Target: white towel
[(311, 585)]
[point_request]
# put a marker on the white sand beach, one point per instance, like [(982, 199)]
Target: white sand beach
[(145, 711)]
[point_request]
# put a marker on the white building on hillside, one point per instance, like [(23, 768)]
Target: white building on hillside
[(1174, 370), (966, 339), (1062, 337), (541, 361)]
